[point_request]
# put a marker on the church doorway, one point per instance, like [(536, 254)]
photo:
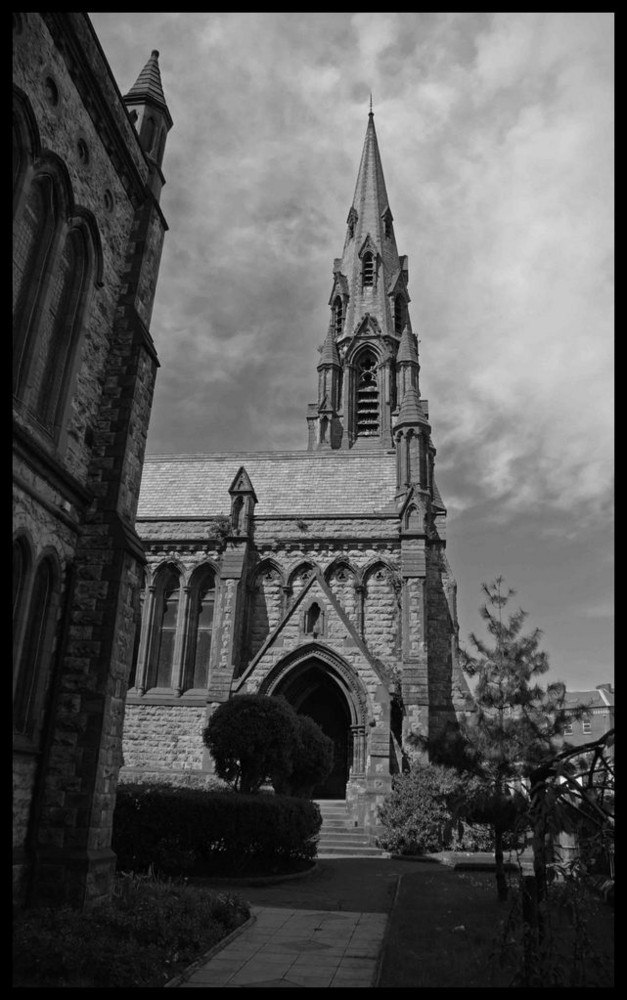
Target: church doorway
[(311, 691)]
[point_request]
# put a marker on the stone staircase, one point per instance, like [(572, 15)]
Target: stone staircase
[(339, 837)]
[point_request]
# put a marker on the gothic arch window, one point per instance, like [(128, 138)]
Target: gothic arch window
[(161, 656), (53, 262), (367, 416), (33, 663), (338, 315), (200, 631), (33, 244), (60, 326), (399, 314), (367, 269)]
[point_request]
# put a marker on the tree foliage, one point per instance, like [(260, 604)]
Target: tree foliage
[(311, 760), (254, 738), (251, 737), (417, 816), (515, 725)]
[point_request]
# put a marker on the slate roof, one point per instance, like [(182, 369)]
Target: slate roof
[(299, 483)]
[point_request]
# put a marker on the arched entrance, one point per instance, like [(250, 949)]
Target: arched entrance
[(319, 689)]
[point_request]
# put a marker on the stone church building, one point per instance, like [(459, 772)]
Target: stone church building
[(319, 575), (87, 239)]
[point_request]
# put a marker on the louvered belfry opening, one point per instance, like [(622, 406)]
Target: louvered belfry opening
[(367, 396)]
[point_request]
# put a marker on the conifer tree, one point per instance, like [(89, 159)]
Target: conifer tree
[(515, 724)]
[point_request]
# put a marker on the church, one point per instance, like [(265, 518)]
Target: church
[(318, 575)]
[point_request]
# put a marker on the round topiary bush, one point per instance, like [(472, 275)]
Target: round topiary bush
[(312, 760), (251, 738)]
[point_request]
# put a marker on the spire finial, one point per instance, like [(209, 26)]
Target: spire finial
[(371, 112)]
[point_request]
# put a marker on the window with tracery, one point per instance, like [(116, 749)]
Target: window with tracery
[(367, 395)]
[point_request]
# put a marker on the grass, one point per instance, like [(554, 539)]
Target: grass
[(149, 933), (448, 929)]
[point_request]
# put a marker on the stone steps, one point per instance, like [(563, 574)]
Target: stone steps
[(339, 837)]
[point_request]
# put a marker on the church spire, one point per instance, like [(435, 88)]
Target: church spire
[(369, 316)]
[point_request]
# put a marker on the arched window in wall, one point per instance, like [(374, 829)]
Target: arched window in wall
[(367, 395), (367, 272), (20, 570), (31, 676), (399, 314), (200, 633), (338, 315), (313, 620), (60, 327), (167, 597), (33, 238)]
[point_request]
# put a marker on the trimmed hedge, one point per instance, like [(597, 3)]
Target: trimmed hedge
[(187, 831)]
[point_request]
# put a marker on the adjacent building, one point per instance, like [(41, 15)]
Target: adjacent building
[(87, 239)]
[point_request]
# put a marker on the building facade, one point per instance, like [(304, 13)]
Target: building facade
[(87, 239), (599, 718), (319, 575)]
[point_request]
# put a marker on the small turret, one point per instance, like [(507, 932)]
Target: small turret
[(150, 115)]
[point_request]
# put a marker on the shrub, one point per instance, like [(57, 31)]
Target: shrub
[(183, 831), (312, 760), (251, 737), (418, 815), (147, 932)]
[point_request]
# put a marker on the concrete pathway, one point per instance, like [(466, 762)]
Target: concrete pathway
[(303, 948)]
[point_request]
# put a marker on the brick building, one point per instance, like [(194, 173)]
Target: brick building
[(321, 574), (88, 233), (599, 718)]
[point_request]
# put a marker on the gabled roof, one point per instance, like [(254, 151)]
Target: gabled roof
[(297, 483), (318, 587)]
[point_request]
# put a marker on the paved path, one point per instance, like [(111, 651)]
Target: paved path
[(323, 930), (303, 948)]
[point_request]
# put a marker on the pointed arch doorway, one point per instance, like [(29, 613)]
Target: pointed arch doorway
[(314, 690)]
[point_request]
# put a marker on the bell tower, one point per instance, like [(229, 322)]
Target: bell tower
[(370, 355)]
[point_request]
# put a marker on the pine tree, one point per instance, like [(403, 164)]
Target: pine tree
[(515, 724)]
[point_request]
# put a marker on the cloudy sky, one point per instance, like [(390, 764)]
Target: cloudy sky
[(496, 137)]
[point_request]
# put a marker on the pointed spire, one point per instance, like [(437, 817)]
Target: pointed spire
[(147, 86), (370, 200), (411, 411), (407, 350), (329, 354)]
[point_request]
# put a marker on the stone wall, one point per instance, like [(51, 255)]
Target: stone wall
[(160, 737)]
